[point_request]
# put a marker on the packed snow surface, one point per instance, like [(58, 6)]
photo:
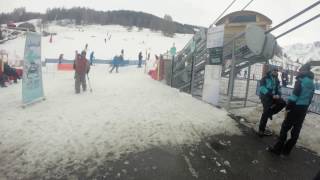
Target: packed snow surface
[(126, 112), (71, 38)]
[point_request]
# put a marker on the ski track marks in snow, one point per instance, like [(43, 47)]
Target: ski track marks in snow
[(127, 112)]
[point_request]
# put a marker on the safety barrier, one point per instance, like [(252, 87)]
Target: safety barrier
[(65, 67), (96, 61)]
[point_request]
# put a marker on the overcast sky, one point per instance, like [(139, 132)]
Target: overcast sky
[(197, 12)]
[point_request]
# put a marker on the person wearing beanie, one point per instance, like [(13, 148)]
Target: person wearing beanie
[(270, 96), (296, 110)]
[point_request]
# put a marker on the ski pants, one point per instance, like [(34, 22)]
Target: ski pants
[(80, 80), (317, 176), (114, 67), (270, 107), (140, 63), (293, 122)]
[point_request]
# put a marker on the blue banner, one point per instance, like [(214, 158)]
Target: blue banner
[(32, 86)]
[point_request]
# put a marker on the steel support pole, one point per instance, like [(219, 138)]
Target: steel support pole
[(232, 75), (192, 74), (248, 85)]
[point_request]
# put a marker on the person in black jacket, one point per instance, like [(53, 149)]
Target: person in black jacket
[(296, 110), (270, 95), (9, 71), (140, 59)]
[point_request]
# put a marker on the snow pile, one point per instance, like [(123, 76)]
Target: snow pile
[(71, 38), (127, 112), (309, 135)]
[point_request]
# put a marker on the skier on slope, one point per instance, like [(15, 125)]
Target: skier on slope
[(92, 58), (122, 53), (140, 59), (86, 48), (60, 58), (82, 68), (115, 63)]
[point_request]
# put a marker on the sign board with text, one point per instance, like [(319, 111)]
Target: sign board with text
[(215, 42), (32, 85)]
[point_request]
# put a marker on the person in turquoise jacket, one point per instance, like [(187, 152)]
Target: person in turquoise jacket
[(115, 64), (270, 96), (296, 110)]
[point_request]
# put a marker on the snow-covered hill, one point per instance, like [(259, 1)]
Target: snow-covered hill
[(71, 38), (303, 52)]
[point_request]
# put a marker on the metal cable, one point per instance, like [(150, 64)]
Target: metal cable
[(298, 26), (224, 11), (294, 16), (247, 5)]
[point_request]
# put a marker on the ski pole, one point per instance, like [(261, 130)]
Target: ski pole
[(89, 83)]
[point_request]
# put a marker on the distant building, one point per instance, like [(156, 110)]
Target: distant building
[(236, 22)]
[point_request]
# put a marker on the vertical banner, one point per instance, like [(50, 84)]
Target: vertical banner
[(32, 86), (215, 42)]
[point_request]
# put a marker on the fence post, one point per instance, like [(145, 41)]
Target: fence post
[(192, 74), (232, 75), (248, 84)]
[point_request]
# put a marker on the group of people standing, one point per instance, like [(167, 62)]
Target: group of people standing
[(7, 71), (82, 66), (296, 107)]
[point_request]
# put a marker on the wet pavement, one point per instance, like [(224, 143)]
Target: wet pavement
[(219, 157)]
